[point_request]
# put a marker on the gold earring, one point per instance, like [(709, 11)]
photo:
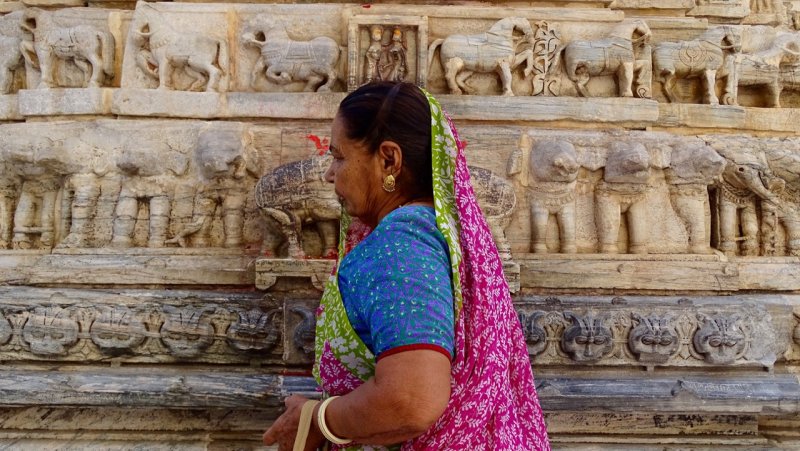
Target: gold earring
[(388, 183)]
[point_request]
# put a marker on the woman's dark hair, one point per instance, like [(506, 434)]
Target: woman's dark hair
[(399, 112)]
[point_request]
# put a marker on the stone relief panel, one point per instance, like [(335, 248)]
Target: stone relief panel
[(72, 48), (647, 192), (74, 185), (392, 49), (75, 325), (677, 334)]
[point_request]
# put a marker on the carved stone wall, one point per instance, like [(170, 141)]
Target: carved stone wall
[(165, 229)]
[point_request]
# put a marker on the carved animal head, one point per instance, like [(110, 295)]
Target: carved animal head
[(50, 330), (554, 161), (747, 170), (654, 339), (588, 339), (187, 331), (535, 335), (255, 330), (220, 155), (30, 20), (720, 338), (628, 162), (117, 329), (694, 163)]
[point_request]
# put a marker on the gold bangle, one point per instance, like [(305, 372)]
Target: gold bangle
[(324, 427)]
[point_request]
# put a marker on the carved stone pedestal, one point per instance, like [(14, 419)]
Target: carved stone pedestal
[(9, 107), (67, 102), (163, 103)]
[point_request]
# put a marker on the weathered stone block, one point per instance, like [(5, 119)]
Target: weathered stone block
[(65, 102)]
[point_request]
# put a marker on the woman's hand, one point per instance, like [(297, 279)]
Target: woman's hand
[(284, 430)]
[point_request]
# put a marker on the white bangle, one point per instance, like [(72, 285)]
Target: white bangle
[(324, 427)]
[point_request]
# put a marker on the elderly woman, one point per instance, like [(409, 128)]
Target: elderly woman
[(418, 345)]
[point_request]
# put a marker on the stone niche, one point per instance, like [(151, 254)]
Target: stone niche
[(165, 229)]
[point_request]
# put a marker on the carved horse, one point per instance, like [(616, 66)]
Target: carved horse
[(616, 54), (708, 56), (162, 49), (92, 50), (493, 51), (286, 60), (765, 67)]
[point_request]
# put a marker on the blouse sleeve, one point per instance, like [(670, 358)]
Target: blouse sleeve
[(408, 297)]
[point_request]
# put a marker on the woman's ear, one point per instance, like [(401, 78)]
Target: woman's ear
[(391, 157)]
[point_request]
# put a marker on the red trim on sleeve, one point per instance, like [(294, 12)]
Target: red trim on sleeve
[(415, 347)]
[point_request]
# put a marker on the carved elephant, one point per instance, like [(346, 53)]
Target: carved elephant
[(784, 163), (552, 174), (222, 165), (161, 50), (92, 50), (624, 190), (693, 166), (296, 193), (746, 179), (150, 176)]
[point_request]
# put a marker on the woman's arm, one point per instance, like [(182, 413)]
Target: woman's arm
[(408, 394)]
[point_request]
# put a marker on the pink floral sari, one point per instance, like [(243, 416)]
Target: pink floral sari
[(493, 403)]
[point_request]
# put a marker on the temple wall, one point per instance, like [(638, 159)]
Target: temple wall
[(165, 231)]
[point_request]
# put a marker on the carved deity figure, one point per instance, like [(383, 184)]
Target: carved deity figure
[(372, 57), (222, 191), (710, 56), (549, 172), (588, 339), (624, 190), (150, 179), (294, 194), (766, 67), (284, 60), (616, 54), (746, 179), (161, 50), (693, 167), (493, 51), (397, 64), (90, 49)]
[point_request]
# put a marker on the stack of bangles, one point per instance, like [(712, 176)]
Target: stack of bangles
[(323, 427)]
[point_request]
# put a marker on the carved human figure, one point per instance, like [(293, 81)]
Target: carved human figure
[(654, 339), (765, 67), (624, 190), (187, 331), (50, 330), (497, 200), (161, 50), (294, 194), (588, 339), (710, 56), (222, 166), (92, 50), (372, 57), (720, 338), (150, 178), (117, 329), (693, 167), (255, 330), (552, 175), (784, 163), (614, 55), (493, 51), (284, 60), (746, 179), (396, 54)]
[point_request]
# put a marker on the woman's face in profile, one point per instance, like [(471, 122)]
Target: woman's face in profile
[(354, 172)]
